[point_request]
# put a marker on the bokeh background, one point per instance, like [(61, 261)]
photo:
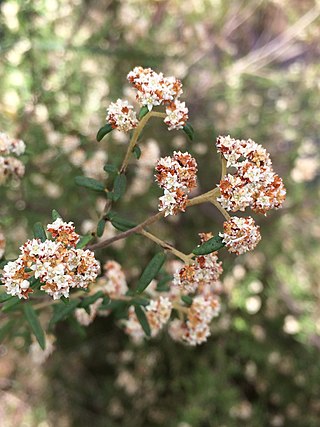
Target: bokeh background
[(250, 69)]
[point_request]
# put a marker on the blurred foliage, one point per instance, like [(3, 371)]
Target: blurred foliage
[(250, 69)]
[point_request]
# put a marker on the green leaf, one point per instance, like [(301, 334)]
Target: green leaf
[(110, 168), (162, 285), (188, 129), (35, 325), (136, 151), (102, 132), (143, 112), (55, 215), (121, 224), (39, 232), (10, 305), (187, 300), (211, 245), (91, 299), (151, 271), (61, 311), (120, 185), (5, 297), (100, 227), (84, 240), (90, 183), (114, 305), (141, 316), (141, 301), (5, 329)]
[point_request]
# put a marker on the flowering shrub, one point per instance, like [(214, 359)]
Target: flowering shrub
[(187, 301)]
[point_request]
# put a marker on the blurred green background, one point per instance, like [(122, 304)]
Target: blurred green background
[(249, 69)]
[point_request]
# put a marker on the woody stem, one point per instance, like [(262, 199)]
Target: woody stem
[(185, 258), (136, 135)]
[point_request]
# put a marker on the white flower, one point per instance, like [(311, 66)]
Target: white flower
[(240, 234), (121, 116), (177, 115)]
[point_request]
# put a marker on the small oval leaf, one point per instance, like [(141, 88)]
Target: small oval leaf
[(151, 271), (187, 300), (143, 112), (90, 183), (137, 152), (55, 215), (120, 185), (39, 232), (211, 245), (84, 240), (188, 129), (102, 132), (121, 224), (110, 168), (100, 227)]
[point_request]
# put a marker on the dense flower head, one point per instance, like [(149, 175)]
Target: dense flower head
[(58, 266), (64, 232), (177, 176), (154, 88), (121, 116), (200, 278), (2, 244), (113, 281), (254, 183), (202, 275), (196, 329), (240, 234), (176, 115), (157, 312), (9, 165)]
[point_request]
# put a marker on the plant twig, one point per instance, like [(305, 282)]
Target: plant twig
[(185, 258)]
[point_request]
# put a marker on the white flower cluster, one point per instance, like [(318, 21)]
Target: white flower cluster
[(240, 234), (121, 116), (177, 115), (202, 279), (113, 282), (202, 275), (63, 232), (154, 88), (157, 312), (177, 176), (57, 264), (196, 329), (254, 183), (10, 166)]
